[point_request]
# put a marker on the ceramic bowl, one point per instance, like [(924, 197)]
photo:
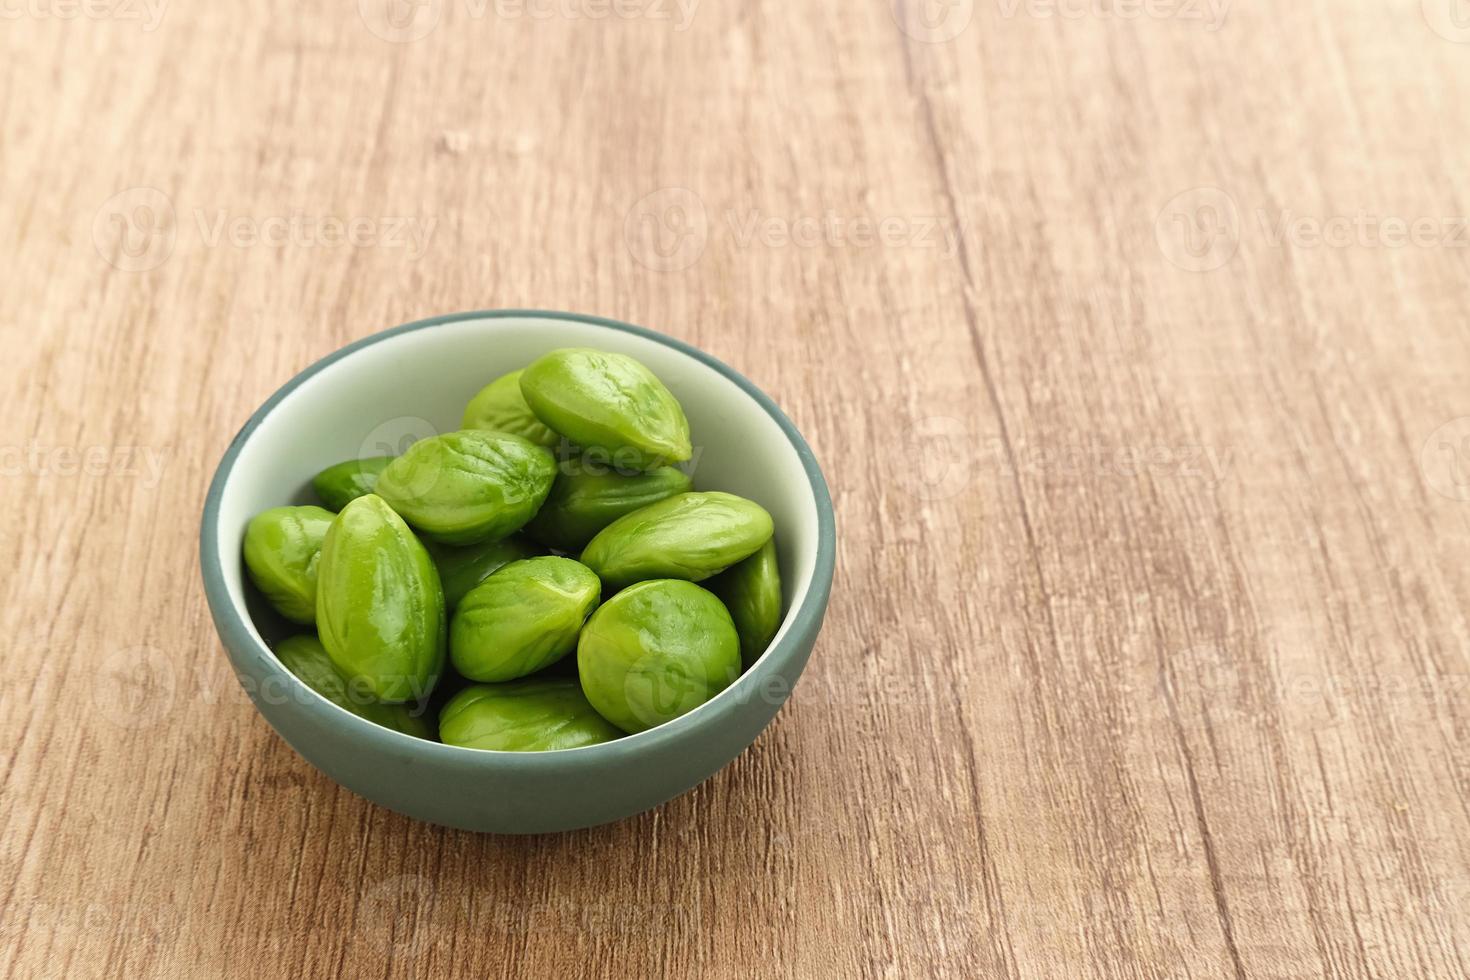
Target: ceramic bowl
[(377, 396)]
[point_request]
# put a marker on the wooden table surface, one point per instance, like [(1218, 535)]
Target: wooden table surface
[(1132, 340)]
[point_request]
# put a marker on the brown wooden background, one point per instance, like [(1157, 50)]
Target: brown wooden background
[(1134, 344)]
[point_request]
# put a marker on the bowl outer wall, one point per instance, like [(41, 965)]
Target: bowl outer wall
[(520, 792)]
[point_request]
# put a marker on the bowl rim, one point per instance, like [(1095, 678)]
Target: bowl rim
[(261, 663)]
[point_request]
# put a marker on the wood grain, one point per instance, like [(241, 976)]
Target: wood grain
[(1147, 655)]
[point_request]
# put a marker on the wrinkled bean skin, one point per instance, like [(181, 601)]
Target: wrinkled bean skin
[(340, 485), (282, 549), (500, 407), (751, 590), (536, 715), (461, 569), (655, 651), (610, 402), (524, 617), (305, 657), (470, 486), (587, 497), (689, 536), (379, 605)]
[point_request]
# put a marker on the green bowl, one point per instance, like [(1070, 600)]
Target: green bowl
[(376, 396)]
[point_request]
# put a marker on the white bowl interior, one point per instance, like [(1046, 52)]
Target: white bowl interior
[(382, 397)]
